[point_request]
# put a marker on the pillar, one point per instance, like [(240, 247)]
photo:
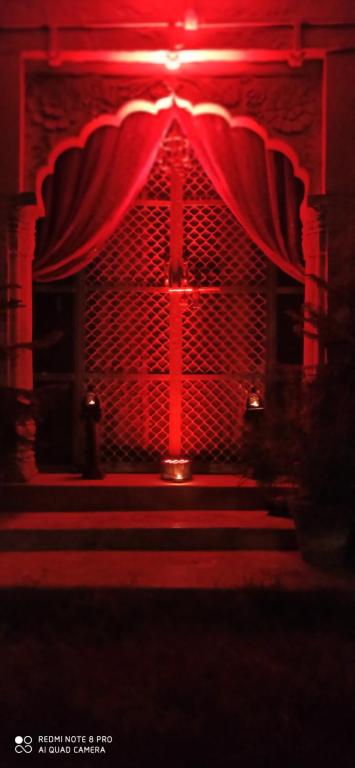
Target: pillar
[(18, 219), (314, 242), (339, 127)]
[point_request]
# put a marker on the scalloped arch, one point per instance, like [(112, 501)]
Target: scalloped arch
[(174, 103), (239, 121)]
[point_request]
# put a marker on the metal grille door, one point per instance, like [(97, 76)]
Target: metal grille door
[(174, 328)]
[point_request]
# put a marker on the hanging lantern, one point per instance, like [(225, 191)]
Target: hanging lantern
[(254, 400), (254, 404)]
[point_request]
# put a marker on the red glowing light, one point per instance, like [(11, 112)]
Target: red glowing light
[(180, 290)]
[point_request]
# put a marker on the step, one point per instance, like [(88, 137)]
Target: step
[(193, 530), (165, 570), (131, 492)]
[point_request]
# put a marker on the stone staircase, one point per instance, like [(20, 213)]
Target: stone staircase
[(63, 531), (192, 530), (144, 492)]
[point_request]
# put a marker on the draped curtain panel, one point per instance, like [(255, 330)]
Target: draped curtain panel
[(90, 191), (257, 184), (92, 188)]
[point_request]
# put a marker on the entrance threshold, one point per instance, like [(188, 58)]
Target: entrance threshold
[(143, 479), (65, 492)]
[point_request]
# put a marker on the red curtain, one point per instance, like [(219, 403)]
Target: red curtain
[(90, 191), (257, 184)]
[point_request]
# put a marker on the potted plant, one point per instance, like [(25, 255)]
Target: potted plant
[(308, 434), (270, 442), (326, 464), (19, 408)]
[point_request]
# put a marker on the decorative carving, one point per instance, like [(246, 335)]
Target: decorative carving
[(285, 109), (286, 103), (58, 106), (220, 90)]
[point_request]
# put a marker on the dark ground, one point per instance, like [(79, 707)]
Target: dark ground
[(250, 678)]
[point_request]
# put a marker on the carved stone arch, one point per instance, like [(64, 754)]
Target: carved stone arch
[(169, 103), (313, 254), (78, 141), (287, 104), (245, 121)]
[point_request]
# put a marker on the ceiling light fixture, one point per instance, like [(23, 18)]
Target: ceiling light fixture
[(173, 60), (191, 20)]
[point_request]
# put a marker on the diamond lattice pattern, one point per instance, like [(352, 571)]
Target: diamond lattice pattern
[(220, 253), (134, 428), (126, 325), (225, 333), (122, 334), (212, 431), (137, 253)]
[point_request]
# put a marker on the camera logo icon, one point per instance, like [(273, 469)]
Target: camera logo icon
[(23, 744)]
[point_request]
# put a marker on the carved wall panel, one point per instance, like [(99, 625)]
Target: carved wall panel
[(288, 105)]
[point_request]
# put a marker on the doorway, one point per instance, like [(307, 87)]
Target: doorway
[(178, 314), (175, 330)]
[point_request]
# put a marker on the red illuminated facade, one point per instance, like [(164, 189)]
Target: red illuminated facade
[(168, 187)]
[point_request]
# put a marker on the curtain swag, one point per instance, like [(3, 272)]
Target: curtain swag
[(91, 189)]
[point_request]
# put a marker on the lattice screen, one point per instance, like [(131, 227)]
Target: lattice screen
[(126, 326)]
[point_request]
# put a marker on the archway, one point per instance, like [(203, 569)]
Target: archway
[(175, 445), (236, 153)]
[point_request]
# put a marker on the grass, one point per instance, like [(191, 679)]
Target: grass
[(250, 679)]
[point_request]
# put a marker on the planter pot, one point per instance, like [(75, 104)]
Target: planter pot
[(324, 532), (275, 496)]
